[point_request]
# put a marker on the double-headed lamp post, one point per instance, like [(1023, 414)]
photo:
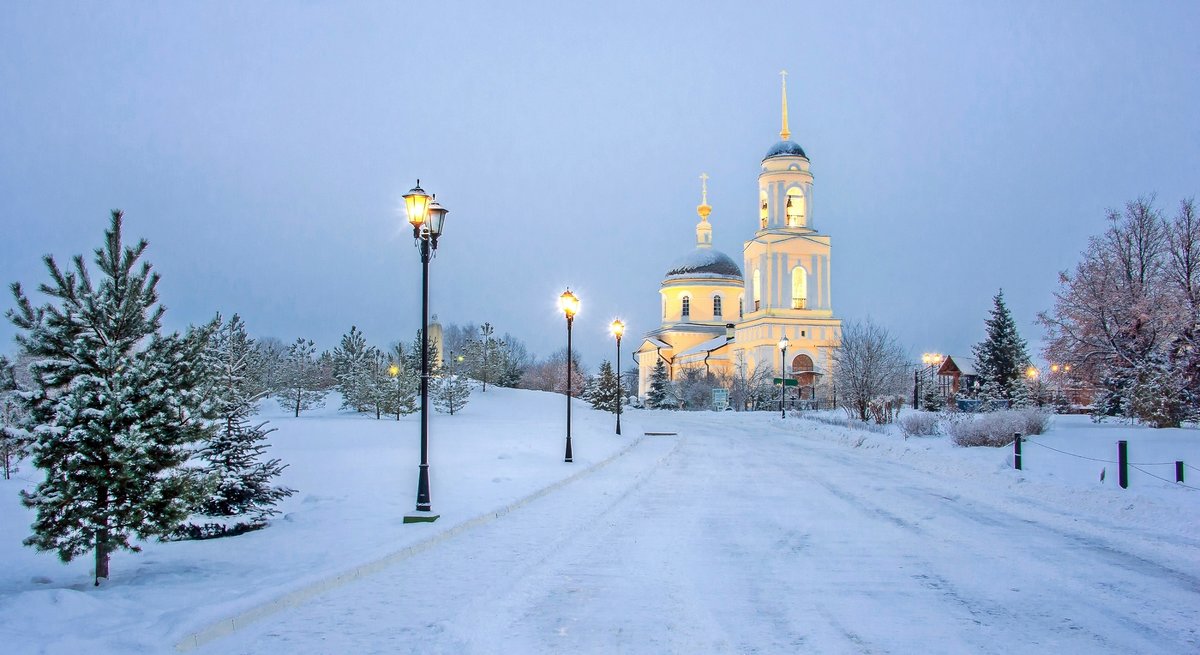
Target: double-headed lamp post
[(427, 218), (783, 344), (569, 305), (618, 328)]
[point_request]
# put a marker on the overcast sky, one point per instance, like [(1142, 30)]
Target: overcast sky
[(262, 149)]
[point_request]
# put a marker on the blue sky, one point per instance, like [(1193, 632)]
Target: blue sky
[(262, 149)]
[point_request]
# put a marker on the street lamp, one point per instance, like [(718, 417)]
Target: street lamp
[(783, 344), (569, 305), (427, 218), (394, 371), (618, 328)]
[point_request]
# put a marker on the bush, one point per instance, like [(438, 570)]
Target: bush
[(996, 429), (919, 424)]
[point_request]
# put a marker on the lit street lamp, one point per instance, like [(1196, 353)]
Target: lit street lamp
[(932, 360), (618, 328), (394, 371), (569, 304), (427, 218), (783, 344)]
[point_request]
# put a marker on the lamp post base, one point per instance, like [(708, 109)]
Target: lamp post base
[(421, 517)]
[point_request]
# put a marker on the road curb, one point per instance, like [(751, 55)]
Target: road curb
[(229, 625)]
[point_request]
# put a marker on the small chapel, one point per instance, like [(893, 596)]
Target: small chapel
[(728, 320)]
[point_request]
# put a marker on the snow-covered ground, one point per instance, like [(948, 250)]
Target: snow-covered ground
[(744, 533)]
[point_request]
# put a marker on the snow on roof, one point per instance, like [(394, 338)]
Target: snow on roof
[(965, 365), (706, 346), (705, 262)]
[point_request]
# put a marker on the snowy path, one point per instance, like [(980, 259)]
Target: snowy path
[(722, 541)]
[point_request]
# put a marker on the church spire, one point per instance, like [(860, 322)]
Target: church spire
[(785, 133), (703, 229)]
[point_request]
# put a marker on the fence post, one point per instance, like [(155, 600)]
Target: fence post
[(1178, 471), (1017, 450), (1123, 464)]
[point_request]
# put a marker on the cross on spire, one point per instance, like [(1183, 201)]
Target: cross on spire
[(704, 188), (785, 133)]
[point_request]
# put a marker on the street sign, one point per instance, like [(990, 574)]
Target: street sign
[(790, 382)]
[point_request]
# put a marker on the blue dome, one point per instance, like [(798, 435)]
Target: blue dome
[(705, 262), (786, 149)]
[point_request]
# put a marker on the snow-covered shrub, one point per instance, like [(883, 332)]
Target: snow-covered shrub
[(996, 428), (1032, 420), (919, 424)]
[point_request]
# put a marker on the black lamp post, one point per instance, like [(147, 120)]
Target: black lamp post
[(783, 344), (618, 329), (569, 304), (427, 218)]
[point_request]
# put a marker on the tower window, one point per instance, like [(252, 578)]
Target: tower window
[(757, 289), (795, 207), (762, 210), (687, 307), (716, 306), (799, 288)]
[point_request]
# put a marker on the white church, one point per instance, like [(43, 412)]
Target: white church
[(728, 319)]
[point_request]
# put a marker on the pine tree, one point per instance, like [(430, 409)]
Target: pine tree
[(604, 393), (658, 386), (353, 368), (237, 479), (402, 386), (301, 378), (114, 405), (450, 392), (15, 439), (1159, 395), (1001, 359)]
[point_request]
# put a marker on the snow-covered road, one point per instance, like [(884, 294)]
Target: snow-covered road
[(737, 539)]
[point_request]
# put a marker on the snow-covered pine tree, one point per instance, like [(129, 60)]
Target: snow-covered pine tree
[(114, 405), (15, 439), (658, 386), (403, 385), (604, 394), (1159, 394), (484, 357), (237, 480), (1001, 359), (450, 392), (300, 378), (412, 356), (353, 368)]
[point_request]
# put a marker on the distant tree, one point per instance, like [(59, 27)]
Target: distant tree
[(451, 390), (515, 360), (658, 386), (114, 404), (604, 394), (271, 353), (694, 388), (1000, 359), (403, 385), (354, 370), (15, 438), (301, 378), (550, 374), (238, 480), (869, 366)]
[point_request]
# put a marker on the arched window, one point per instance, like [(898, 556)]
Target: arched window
[(762, 210), (716, 306), (795, 207), (687, 307), (757, 290), (799, 288), (741, 307)]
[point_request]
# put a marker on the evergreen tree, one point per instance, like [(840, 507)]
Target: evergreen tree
[(450, 392), (515, 360), (484, 357), (658, 386), (237, 479), (412, 355), (15, 439), (604, 394), (114, 405), (1001, 359), (402, 386), (1159, 394), (301, 378), (354, 370)]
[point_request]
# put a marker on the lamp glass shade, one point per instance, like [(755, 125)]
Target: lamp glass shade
[(568, 303), (617, 328), (416, 205), (437, 218), (783, 343)]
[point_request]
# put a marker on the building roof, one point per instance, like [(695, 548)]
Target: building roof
[(706, 346), (705, 262), (786, 149), (964, 365)]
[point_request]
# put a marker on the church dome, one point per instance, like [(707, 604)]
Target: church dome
[(786, 148), (705, 262)]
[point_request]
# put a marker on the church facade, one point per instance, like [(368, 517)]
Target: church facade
[(726, 319)]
